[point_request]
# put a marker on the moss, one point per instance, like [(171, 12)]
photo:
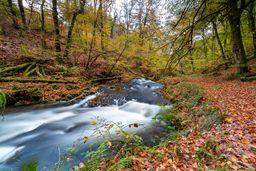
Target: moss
[(2, 101), (171, 118), (189, 99), (122, 163), (20, 94)]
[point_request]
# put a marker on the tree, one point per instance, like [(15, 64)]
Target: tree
[(31, 7), (43, 24), (13, 14), (56, 26), (214, 25), (251, 18), (203, 11), (113, 23), (101, 20), (78, 11), (234, 15), (22, 13)]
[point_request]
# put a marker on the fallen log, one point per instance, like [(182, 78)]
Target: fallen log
[(105, 79), (17, 68), (36, 59), (35, 80), (252, 78)]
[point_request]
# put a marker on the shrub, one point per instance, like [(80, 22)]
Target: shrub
[(2, 101), (171, 118), (95, 157), (202, 155), (125, 162), (185, 94), (30, 166), (212, 116)]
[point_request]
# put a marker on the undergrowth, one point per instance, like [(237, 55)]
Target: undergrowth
[(2, 101), (189, 100)]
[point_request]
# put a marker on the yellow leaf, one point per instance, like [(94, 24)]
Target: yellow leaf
[(93, 122), (228, 120)]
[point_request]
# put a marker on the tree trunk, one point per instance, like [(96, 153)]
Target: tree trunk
[(101, 25), (71, 27), (69, 36), (92, 42), (56, 25), (220, 44), (251, 19), (31, 6), (22, 13), (192, 62), (205, 49), (236, 39), (13, 14), (43, 25), (113, 26)]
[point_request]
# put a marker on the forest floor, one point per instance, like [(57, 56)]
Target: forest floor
[(235, 138), (19, 47), (238, 101)]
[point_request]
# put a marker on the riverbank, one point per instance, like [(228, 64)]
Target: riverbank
[(191, 115), (212, 128)]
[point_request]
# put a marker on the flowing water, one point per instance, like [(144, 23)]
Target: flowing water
[(43, 135)]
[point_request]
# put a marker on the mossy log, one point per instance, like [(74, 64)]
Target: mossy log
[(252, 78), (13, 69), (27, 94), (105, 79), (38, 60), (35, 80), (29, 69)]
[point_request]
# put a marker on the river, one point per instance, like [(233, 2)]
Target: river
[(46, 134)]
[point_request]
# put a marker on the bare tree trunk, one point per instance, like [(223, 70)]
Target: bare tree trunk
[(191, 57), (22, 13), (92, 42), (31, 12), (101, 25), (205, 46), (192, 62), (71, 27), (251, 19), (56, 25), (13, 14), (69, 36), (113, 26), (236, 39), (43, 24), (220, 44)]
